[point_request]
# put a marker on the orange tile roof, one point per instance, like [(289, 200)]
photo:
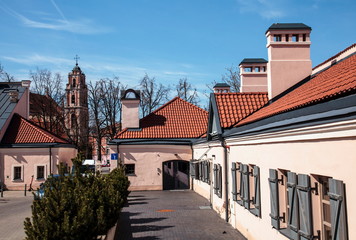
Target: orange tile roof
[(233, 107), (175, 119), (336, 81), (21, 130)]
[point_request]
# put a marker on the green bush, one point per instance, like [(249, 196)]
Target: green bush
[(77, 206)]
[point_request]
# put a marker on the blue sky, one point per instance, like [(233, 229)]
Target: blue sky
[(167, 39)]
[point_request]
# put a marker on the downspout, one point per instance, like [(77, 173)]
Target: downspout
[(192, 185), (223, 143), (50, 160)]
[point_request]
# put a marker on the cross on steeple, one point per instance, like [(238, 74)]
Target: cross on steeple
[(76, 58)]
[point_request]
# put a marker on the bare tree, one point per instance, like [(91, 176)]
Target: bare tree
[(152, 94), (4, 76), (112, 104), (232, 77), (47, 100), (97, 117), (186, 92)]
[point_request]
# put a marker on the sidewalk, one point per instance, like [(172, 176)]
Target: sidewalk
[(172, 215)]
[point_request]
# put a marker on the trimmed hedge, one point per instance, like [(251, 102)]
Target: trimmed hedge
[(77, 206)]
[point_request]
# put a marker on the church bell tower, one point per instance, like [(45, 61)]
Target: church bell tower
[(76, 106)]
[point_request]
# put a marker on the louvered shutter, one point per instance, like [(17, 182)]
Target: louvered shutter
[(273, 186), (293, 214), (192, 169), (241, 191), (257, 200), (233, 175), (206, 173), (305, 211), (215, 178), (220, 181), (246, 186), (196, 171), (338, 210), (200, 171), (208, 167)]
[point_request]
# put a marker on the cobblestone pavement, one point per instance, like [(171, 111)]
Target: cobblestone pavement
[(172, 215), (14, 208)]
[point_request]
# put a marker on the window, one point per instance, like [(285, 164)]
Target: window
[(277, 38), (74, 82), (73, 99), (17, 173), (295, 38), (246, 187), (130, 169), (314, 207), (248, 69), (218, 180), (257, 69), (40, 172), (73, 120)]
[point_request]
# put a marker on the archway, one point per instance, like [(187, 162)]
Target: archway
[(175, 174)]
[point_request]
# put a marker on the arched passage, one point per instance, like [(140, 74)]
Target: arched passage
[(175, 174)]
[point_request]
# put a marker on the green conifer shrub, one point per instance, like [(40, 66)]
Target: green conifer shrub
[(78, 206)]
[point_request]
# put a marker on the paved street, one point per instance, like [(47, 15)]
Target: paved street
[(14, 208), (172, 215)]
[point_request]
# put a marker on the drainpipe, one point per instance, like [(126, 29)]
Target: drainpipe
[(50, 160), (223, 143), (192, 185)]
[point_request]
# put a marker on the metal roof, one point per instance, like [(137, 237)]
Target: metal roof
[(287, 26), (253, 60), (7, 107)]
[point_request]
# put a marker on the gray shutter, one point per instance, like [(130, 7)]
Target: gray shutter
[(305, 211), (246, 186), (338, 210), (273, 186), (206, 173), (208, 170), (257, 199), (220, 181), (293, 214), (241, 187), (233, 175), (196, 170), (192, 169), (200, 171), (215, 178)]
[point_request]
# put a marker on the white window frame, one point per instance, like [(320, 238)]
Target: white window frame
[(35, 171), (13, 173)]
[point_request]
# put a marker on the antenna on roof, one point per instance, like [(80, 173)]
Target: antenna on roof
[(76, 58)]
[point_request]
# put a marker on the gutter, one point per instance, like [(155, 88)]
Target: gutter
[(226, 147)]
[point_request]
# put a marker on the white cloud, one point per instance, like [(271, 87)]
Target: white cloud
[(81, 26), (265, 8)]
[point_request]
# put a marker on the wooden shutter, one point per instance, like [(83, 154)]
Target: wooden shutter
[(257, 199), (293, 213), (220, 181), (208, 170), (192, 169), (246, 186), (200, 171), (273, 186), (305, 211), (338, 210), (196, 170), (215, 178), (233, 182), (206, 173), (241, 191)]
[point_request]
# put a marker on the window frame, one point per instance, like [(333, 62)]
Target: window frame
[(44, 172), (133, 173), (21, 179)]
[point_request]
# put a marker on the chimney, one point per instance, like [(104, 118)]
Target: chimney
[(221, 88), (289, 61), (253, 75), (26, 83), (130, 100), (14, 95)]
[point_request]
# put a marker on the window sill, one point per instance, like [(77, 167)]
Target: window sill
[(131, 175), (17, 180)]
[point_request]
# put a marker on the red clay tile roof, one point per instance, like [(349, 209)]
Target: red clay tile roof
[(175, 119), (337, 81), (233, 107), (21, 130)]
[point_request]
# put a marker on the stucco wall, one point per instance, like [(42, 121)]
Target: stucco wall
[(148, 160), (29, 159)]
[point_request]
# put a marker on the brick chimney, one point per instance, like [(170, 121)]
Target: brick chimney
[(253, 75), (289, 61), (221, 88), (130, 100)]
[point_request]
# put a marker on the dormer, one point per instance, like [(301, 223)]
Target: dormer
[(253, 75)]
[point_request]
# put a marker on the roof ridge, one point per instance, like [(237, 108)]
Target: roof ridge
[(240, 93)]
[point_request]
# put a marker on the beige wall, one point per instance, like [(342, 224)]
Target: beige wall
[(29, 159), (148, 161)]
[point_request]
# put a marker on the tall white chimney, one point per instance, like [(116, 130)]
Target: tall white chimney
[(130, 100), (253, 75), (289, 60)]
